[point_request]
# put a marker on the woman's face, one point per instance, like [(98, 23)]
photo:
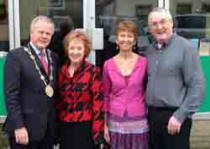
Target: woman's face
[(125, 40), (76, 51)]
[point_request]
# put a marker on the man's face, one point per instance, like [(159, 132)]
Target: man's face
[(161, 27), (41, 34)]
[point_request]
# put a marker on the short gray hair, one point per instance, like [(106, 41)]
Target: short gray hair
[(43, 19), (160, 10)]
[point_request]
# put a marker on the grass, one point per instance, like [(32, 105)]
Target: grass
[(3, 139)]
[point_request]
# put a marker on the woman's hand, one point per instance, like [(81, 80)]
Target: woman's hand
[(106, 134)]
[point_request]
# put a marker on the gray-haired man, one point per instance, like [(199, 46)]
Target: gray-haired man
[(29, 80), (175, 86)]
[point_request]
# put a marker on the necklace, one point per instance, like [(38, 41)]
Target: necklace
[(48, 88)]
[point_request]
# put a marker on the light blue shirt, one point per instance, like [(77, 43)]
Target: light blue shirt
[(38, 52)]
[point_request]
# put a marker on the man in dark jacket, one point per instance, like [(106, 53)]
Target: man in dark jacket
[(29, 81)]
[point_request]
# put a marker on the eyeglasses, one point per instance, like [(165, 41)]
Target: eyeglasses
[(161, 23)]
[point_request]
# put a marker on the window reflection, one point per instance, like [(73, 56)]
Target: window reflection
[(4, 37), (109, 12), (66, 14), (192, 20)]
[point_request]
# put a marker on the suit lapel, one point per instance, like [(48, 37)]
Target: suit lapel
[(39, 62)]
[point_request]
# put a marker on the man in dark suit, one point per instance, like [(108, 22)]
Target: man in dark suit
[(29, 81)]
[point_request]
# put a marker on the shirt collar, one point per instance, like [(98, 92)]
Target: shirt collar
[(159, 46), (36, 49), (64, 69)]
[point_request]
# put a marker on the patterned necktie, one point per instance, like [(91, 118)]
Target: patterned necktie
[(43, 61)]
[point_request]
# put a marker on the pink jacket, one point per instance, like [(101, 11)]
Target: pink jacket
[(121, 96)]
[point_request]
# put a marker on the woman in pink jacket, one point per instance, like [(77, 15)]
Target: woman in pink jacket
[(124, 78)]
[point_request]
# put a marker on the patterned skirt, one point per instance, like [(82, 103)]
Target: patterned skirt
[(128, 133)]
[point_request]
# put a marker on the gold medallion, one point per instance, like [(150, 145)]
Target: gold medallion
[(49, 91)]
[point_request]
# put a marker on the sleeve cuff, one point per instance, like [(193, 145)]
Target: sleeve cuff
[(180, 115)]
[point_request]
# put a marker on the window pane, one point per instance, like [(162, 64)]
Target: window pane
[(192, 20), (108, 12), (4, 35), (67, 14)]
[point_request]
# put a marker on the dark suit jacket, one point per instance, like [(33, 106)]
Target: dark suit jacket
[(26, 102)]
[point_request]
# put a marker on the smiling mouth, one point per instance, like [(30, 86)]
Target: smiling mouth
[(126, 43), (160, 32), (75, 57), (44, 42)]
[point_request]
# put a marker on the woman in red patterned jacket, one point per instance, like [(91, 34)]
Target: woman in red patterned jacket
[(80, 99)]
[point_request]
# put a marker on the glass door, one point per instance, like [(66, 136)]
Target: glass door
[(4, 27), (108, 12), (66, 14), (97, 17)]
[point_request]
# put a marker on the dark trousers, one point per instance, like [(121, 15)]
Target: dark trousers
[(45, 143), (76, 135), (159, 138)]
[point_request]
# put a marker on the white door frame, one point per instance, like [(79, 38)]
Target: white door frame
[(14, 24), (89, 22)]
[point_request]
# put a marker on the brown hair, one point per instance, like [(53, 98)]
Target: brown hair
[(127, 25), (80, 35)]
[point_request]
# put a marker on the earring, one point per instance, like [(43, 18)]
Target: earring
[(117, 46)]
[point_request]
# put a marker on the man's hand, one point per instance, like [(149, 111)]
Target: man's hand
[(21, 136), (174, 126)]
